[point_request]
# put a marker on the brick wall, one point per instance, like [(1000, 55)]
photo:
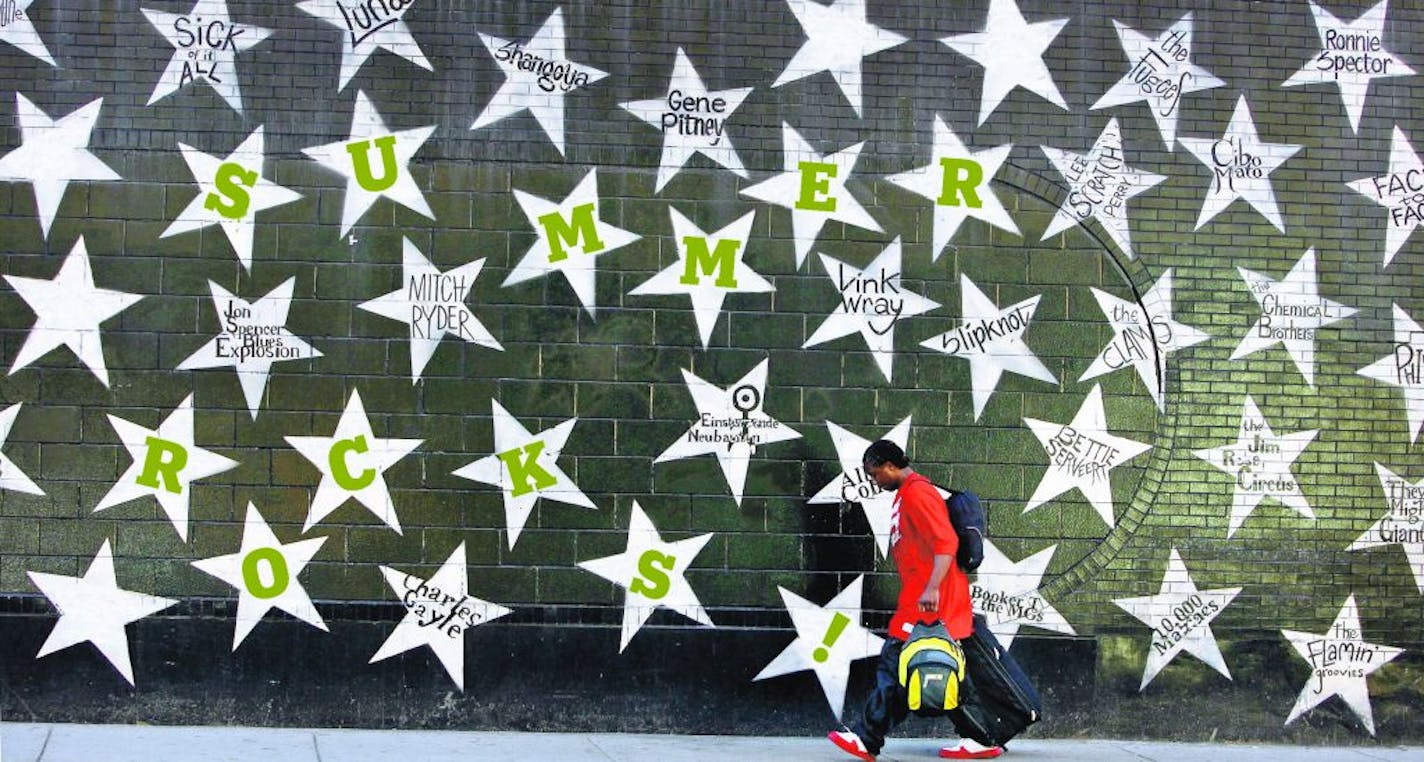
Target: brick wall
[(618, 370)]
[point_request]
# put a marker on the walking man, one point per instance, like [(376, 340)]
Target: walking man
[(923, 544)]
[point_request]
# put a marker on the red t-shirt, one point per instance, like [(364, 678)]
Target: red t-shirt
[(919, 531)]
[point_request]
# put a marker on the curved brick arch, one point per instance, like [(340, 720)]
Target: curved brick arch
[(1135, 275)]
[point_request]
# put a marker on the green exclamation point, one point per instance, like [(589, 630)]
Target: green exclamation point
[(838, 625)]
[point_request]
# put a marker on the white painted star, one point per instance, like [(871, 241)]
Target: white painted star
[(353, 463), (529, 83), (653, 573), (52, 154), (854, 485), (813, 187), (571, 237), (1398, 191), (992, 341), (1099, 186), (1260, 463), (438, 613), (693, 120), (838, 38), (1401, 525), (1082, 454), (709, 266), (730, 424), (20, 32), (957, 180), (11, 477), (384, 29), (1292, 310), (872, 302), (375, 162), (205, 46), (1011, 51), (1340, 660), (828, 639), (264, 572), (94, 608), (253, 337), (231, 192), (1006, 593), (1352, 55), (1403, 367), (1144, 333), (525, 467), (432, 304), (1180, 616), (166, 462), (1241, 165), (68, 311), (1161, 73)]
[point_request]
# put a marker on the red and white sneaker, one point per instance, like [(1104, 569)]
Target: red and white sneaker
[(850, 743), (968, 748)]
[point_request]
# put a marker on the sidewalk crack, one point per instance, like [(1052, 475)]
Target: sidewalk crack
[(594, 743), (44, 746)]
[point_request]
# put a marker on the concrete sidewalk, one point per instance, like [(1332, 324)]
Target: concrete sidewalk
[(21, 742)]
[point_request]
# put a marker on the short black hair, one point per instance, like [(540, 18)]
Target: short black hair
[(885, 451)]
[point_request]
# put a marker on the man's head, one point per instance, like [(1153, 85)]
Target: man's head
[(886, 463)]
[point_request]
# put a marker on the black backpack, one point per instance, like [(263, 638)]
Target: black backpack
[(966, 514)]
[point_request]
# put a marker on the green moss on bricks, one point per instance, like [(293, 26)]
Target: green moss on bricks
[(691, 476), (35, 423), (342, 281), (647, 215), (987, 266), (651, 363), (579, 362), (552, 323), (816, 367), (648, 438), (457, 396), (591, 435), (553, 585), (619, 401), (306, 392), (739, 588), (126, 201), (379, 544), (927, 407), (284, 508), (620, 325), (753, 326), (342, 581), (763, 551), (773, 471), (79, 537), (853, 408), (1056, 408), (528, 398), (90, 462), (22, 536)]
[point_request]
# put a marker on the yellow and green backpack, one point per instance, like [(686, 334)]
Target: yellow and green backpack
[(931, 669)]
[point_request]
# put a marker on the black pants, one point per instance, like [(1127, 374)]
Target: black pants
[(886, 706)]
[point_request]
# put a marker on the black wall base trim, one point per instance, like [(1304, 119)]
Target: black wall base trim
[(671, 679)]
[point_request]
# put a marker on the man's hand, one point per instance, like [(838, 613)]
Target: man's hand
[(929, 599)]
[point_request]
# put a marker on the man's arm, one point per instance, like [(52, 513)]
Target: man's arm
[(929, 599)]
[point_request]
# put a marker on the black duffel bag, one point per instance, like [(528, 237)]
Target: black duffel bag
[(997, 702)]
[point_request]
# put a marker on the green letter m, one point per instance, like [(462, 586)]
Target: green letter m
[(560, 232), (722, 262)]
